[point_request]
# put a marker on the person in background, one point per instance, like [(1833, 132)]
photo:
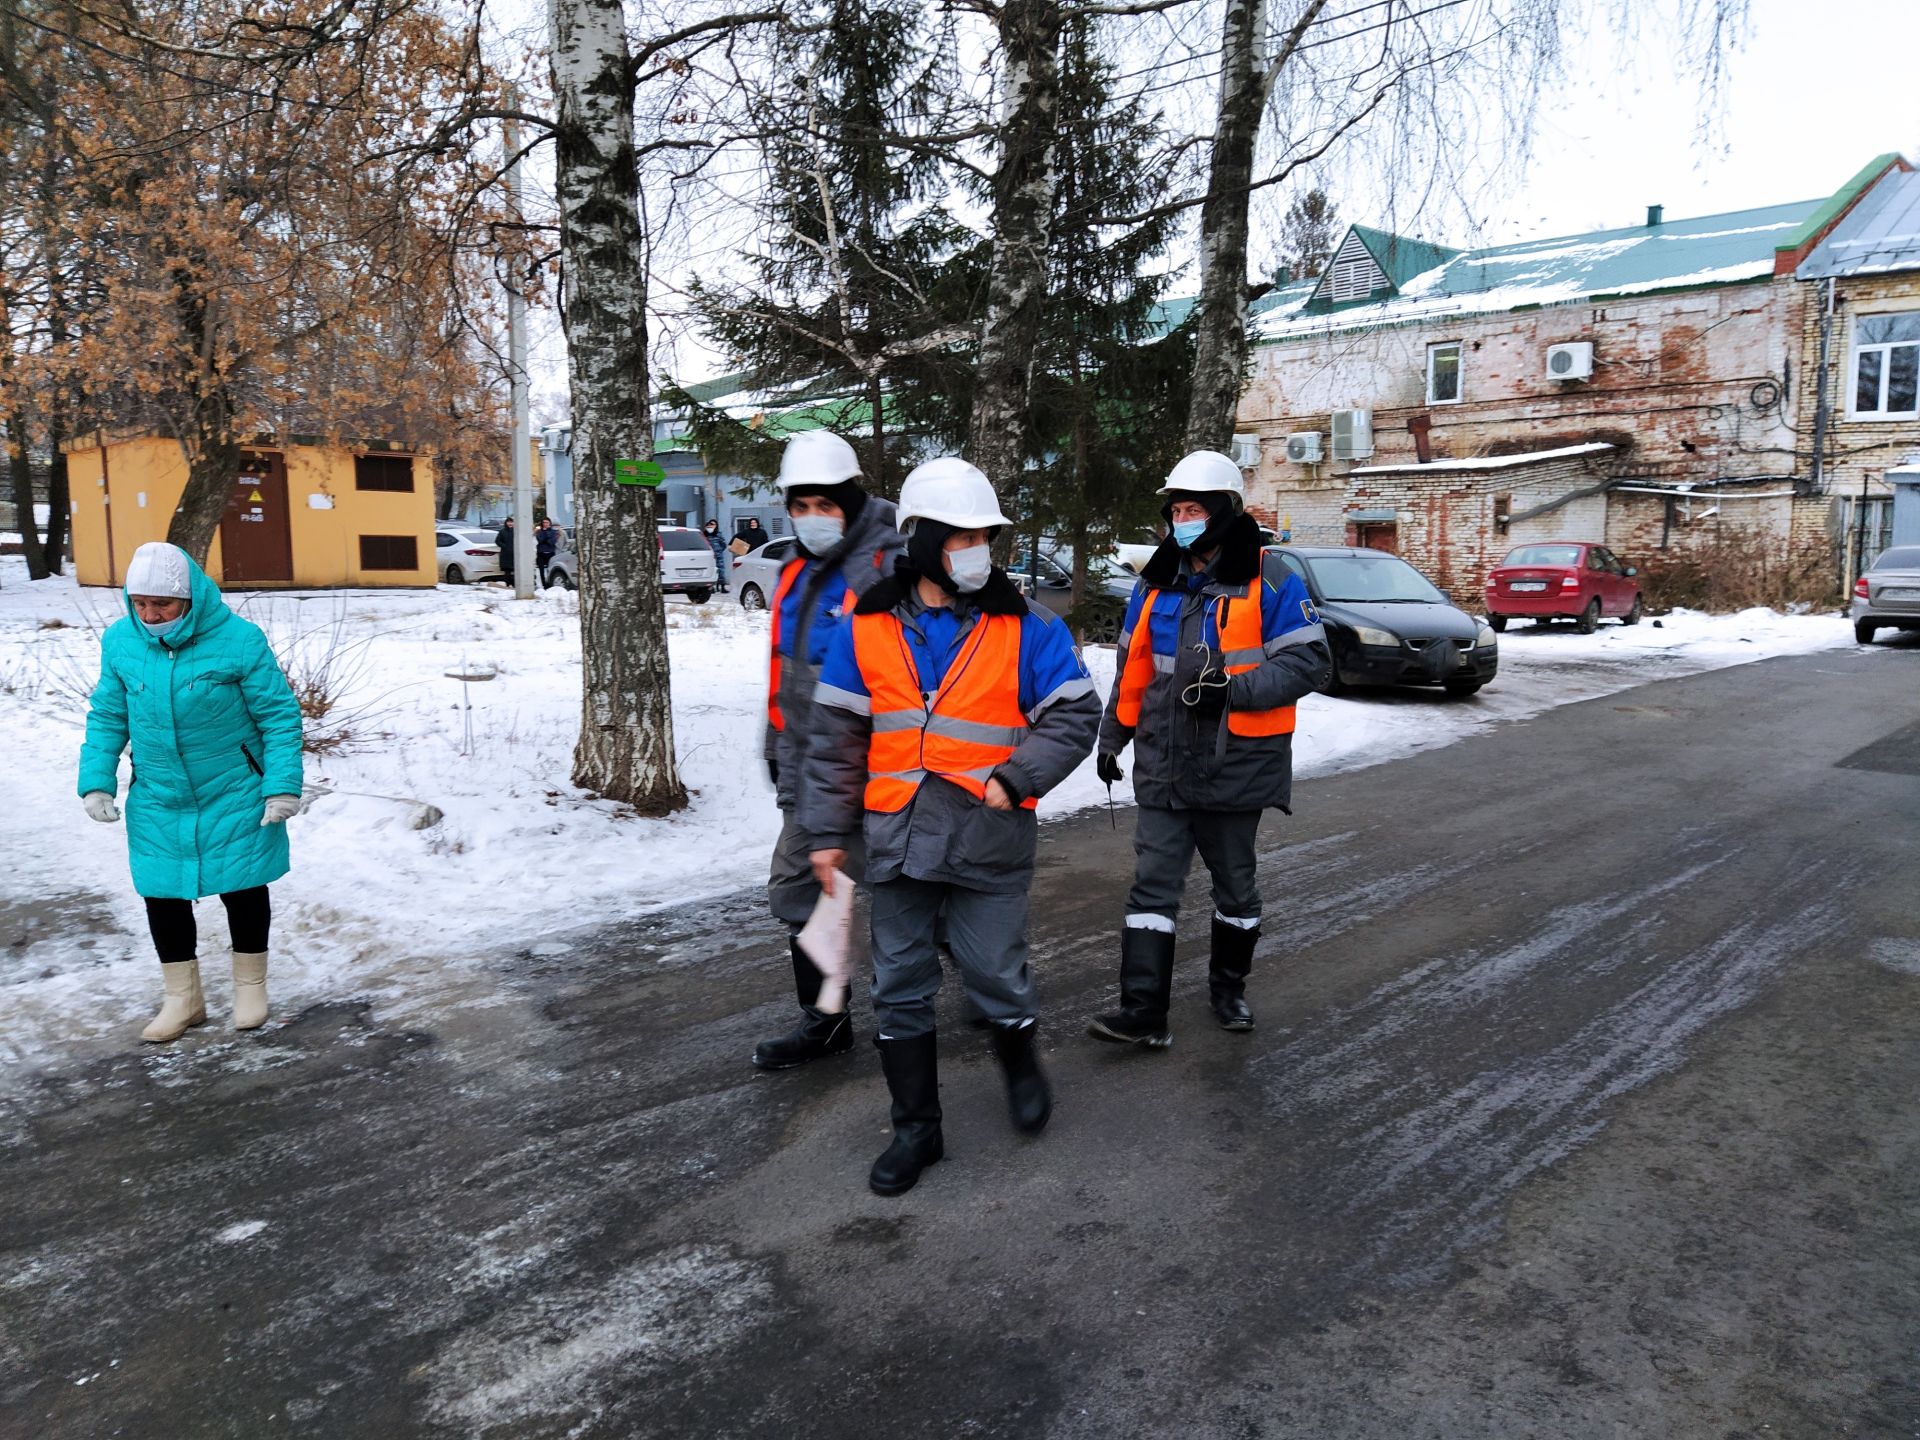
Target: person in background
[(1219, 640), (722, 559), (946, 708), (215, 732), (754, 533), (845, 542), (546, 544), (504, 539)]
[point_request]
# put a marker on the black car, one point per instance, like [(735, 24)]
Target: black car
[(1048, 578), (1388, 625)]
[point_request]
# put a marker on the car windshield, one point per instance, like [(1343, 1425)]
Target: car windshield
[(1370, 578), (683, 540), (1901, 557), (1099, 566), (1544, 555)]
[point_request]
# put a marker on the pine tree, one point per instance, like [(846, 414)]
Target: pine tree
[(1308, 234), (1109, 380), (853, 289)]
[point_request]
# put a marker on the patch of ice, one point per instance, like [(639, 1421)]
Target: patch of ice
[(243, 1230)]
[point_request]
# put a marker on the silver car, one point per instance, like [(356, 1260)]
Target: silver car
[(686, 564), (756, 574), (1887, 596)]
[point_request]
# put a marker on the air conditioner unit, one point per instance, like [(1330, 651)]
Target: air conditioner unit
[(1303, 447), (1352, 434), (1246, 451), (1573, 361)]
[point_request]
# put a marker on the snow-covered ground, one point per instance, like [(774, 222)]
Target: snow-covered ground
[(520, 853)]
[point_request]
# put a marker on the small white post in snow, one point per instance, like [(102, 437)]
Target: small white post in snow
[(523, 549)]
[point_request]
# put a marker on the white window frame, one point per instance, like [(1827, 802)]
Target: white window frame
[(1884, 350), (1459, 371)]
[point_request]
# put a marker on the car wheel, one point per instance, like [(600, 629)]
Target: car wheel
[(1335, 685), (1634, 612), (699, 595), (1497, 623), (1864, 631), (1461, 689), (751, 598), (1589, 620), (455, 575), (564, 580)]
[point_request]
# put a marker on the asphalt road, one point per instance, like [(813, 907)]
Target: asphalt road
[(1582, 1105)]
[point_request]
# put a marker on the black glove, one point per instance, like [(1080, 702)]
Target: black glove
[(1206, 694), (773, 770), (1107, 767)]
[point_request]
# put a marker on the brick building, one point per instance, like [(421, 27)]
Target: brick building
[(1637, 386)]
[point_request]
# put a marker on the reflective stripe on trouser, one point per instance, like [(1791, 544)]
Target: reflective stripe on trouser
[(792, 892), (987, 934), (1163, 846)]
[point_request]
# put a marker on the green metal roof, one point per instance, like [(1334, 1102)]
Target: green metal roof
[(1400, 256)]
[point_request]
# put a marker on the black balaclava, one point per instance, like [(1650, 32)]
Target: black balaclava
[(1221, 510), (847, 495), (927, 552)]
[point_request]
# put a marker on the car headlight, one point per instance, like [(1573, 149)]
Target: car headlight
[(1367, 635), (1484, 636)]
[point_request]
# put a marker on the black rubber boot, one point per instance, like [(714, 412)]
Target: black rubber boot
[(817, 1035), (1227, 974), (1029, 1098), (913, 1079), (1146, 984)]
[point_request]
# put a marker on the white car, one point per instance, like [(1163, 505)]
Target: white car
[(463, 554), (756, 574), (686, 564)]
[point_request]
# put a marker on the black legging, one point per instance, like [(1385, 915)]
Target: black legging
[(249, 913)]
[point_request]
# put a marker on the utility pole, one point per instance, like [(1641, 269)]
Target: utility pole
[(523, 566)]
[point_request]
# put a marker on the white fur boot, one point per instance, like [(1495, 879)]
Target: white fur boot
[(249, 990), (184, 1006)]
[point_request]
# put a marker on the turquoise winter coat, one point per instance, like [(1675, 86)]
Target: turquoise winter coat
[(215, 730)]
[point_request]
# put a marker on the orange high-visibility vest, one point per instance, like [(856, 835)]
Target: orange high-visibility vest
[(970, 727), (789, 573), (1240, 634)]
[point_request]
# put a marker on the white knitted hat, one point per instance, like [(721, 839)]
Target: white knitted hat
[(160, 569)]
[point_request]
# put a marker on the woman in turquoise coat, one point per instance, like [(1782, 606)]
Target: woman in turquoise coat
[(216, 773)]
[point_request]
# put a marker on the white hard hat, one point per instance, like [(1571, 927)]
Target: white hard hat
[(952, 491), (1204, 471), (817, 457)]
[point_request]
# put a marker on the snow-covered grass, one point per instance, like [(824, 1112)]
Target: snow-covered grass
[(520, 854)]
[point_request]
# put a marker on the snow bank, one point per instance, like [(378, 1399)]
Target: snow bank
[(379, 909)]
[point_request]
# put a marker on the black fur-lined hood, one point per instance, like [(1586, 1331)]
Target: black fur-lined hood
[(1236, 563), (999, 596)]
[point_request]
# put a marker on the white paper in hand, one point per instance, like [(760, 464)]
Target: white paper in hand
[(826, 937)]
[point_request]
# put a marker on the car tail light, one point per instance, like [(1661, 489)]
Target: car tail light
[(483, 552), (1570, 582), (1860, 587)]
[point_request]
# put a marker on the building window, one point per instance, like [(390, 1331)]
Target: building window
[(1443, 373), (389, 552), (1886, 364), (383, 472)]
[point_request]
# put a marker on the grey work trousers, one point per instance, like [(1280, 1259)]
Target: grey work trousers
[(1163, 846), (792, 892), (987, 933)]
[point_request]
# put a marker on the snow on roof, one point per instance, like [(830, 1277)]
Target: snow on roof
[(1488, 462), (1880, 234), (1679, 254)]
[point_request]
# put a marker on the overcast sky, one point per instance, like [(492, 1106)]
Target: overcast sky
[(1812, 94)]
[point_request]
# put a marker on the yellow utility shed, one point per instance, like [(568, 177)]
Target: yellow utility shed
[(300, 516)]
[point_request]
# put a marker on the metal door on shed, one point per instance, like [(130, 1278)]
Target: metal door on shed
[(256, 532)]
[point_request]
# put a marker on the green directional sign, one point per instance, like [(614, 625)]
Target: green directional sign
[(638, 472)]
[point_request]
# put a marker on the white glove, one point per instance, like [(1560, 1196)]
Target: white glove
[(280, 809), (100, 806)]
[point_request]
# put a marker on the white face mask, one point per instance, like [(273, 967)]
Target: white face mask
[(970, 567), (819, 533)]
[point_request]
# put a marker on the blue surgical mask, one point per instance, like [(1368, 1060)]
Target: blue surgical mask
[(970, 567), (819, 533), (160, 629), (1185, 532)]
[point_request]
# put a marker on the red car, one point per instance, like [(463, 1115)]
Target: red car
[(1563, 580)]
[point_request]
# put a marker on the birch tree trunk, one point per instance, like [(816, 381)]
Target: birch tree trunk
[(1247, 76), (1022, 225), (625, 750)]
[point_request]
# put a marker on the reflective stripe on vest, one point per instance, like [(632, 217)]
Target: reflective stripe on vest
[(1238, 627), (789, 573), (971, 728)]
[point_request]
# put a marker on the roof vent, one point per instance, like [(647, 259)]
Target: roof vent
[(1654, 212)]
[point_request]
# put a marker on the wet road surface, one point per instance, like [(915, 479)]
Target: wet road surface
[(1581, 1105)]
